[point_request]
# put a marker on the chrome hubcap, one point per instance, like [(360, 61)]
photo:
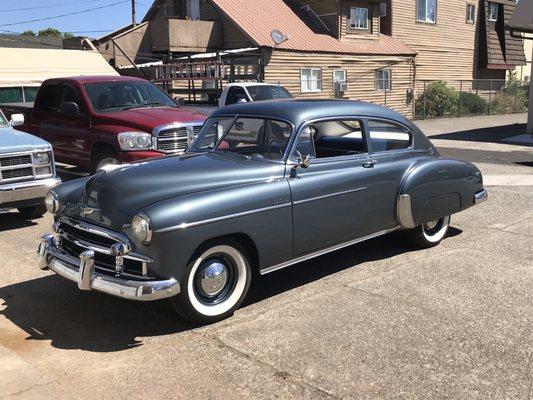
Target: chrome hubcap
[(431, 225), (213, 278)]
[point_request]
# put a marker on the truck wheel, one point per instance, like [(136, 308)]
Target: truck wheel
[(431, 233), (33, 212), (214, 283), (104, 158)]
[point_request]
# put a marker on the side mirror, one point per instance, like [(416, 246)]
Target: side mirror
[(70, 108), (242, 100), (17, 120), (303, 162), (180, 101)]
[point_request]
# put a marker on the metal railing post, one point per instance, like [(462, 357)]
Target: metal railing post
[(490, 98), (424, 102), (460, 96)]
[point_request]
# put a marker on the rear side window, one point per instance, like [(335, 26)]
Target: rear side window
[(388, 136), (49, 98), (235, 94)]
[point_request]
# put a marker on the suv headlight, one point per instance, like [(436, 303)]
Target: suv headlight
[(52, 202), (141, 228), (130, 141), (41, 158)]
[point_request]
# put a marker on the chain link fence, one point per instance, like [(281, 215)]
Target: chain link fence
[(18, 94)]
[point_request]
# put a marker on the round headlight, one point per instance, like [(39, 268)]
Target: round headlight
[(51, 201), (142, 228)]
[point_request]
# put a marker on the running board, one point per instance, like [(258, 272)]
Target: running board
[(325, 251)]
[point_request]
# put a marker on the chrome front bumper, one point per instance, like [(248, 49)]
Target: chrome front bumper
[(481, 196), (22, 191), (82, 271)]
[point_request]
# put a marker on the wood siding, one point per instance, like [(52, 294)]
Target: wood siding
[(446, 49), (284, 67)]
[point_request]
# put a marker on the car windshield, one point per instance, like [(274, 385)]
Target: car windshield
[(109, 96), (251, 137), (272, 92)]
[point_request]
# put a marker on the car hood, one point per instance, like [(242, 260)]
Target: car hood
[(14, 141), (146, 119), (120, 194)]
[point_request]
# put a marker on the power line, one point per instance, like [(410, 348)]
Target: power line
[(67, 14), (48, 6)]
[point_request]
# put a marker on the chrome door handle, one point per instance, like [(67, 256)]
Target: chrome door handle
[(369, 164)]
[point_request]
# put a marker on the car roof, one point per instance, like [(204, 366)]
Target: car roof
[(248, 84), (97, 79), (300, 111)]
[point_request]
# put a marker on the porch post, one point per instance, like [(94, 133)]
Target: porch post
[(530, 105)]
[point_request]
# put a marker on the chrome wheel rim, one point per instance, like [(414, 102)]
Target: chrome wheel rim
[(214, 280), (431, 225), (107, 161)]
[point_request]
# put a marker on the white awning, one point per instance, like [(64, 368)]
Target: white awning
[(33, 66)]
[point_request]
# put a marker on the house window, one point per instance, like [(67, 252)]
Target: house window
[(426, 11), (470, 13), (311, 80), (493, 11), (382, 9), (359, 18), (339, 76), (383, 80)]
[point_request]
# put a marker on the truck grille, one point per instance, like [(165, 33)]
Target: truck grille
[(75, 240), (177, 140), (16, 168)]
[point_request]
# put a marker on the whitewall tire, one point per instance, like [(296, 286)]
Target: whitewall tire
[(215, 283), (431, 233)]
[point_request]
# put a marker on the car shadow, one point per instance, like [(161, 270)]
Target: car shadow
[(53, 309), (13, 220), (486, 135)]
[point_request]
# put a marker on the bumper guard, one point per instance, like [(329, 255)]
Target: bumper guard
[(82, 271)]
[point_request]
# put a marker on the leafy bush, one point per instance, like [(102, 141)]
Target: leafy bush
[(439, 100), (513, 98), (472, 104)]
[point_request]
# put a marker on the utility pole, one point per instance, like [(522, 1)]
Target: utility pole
[(133, 13)]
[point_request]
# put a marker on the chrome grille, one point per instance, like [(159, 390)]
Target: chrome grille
[(176, 139), (75, 240), (16, 167), (15, 160)]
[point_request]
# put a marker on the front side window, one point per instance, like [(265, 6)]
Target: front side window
[(330, 139), (359, 18), (235, 95), (251, 137), (311, 80), (387, 136), (426, 11), (3, 120), (493, 11), (116, 96), (70, 95), (383, 79)]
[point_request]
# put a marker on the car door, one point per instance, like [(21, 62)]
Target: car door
[(72, 128), (335, 199), (46, 113)]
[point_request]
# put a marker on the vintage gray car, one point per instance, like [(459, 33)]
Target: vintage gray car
[(27, 170), (264, 186)]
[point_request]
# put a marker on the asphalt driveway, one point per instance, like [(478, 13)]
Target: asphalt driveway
[(376, 320)]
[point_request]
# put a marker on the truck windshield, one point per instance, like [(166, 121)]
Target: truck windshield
[(3, 120), (262, 92), (109, 96), (251, 137)]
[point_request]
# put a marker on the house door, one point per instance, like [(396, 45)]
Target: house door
[(193, 9)]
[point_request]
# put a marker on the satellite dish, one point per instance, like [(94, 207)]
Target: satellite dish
[(278, 37)]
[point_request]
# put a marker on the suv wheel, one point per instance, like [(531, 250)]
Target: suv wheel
[(103, 159)]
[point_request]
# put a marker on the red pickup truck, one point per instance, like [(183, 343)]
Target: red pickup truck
[(95, 121)]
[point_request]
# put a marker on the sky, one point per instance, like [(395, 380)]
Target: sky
[(103, 20)]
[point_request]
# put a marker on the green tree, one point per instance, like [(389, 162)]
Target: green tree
[(28, 33), (53, 32)]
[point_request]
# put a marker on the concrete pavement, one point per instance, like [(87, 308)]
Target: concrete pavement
[(379, 320)]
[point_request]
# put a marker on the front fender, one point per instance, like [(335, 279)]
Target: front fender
[(261, 211), (437, 188)]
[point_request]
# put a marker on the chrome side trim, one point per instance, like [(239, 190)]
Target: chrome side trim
[(404, 211), (186, 225), (325, 251), (81, 270), (326, 196), (481, 196)]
